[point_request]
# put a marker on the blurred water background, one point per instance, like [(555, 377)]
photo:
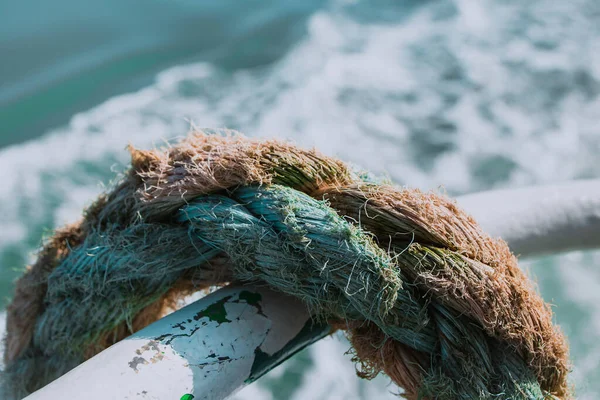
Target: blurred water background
[(460, 94)]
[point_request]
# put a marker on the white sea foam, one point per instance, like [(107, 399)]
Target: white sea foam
[(460, 95)]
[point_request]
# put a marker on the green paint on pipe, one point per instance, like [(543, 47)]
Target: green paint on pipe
[(215, 312), (251, 298), (263, 362)]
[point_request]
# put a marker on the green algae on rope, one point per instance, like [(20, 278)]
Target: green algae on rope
[(427, 297)]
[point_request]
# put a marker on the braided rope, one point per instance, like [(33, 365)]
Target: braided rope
[(425, 295)]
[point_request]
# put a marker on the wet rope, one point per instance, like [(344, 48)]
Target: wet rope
[(424, 294)]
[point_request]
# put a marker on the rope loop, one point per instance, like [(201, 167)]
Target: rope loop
[(425, 295)]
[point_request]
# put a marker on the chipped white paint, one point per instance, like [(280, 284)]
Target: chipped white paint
[(540, 220), (207, 349)]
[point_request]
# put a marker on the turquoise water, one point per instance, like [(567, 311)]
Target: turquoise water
[(455, 94), (65, 56)]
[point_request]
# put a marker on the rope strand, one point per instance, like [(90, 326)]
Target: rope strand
[(426, 296)]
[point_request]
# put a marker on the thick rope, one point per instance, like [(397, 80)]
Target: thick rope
[(425, 295)]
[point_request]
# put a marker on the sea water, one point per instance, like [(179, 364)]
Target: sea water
[(451, 95)]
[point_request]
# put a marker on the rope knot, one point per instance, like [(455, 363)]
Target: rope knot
[(426, 296)]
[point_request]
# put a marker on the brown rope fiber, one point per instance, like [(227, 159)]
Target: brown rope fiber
[(485, 329)]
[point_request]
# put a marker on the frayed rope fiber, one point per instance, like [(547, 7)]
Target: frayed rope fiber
[(424, 294)]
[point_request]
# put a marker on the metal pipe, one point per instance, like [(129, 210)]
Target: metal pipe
[(207, 350), (540, 220)]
